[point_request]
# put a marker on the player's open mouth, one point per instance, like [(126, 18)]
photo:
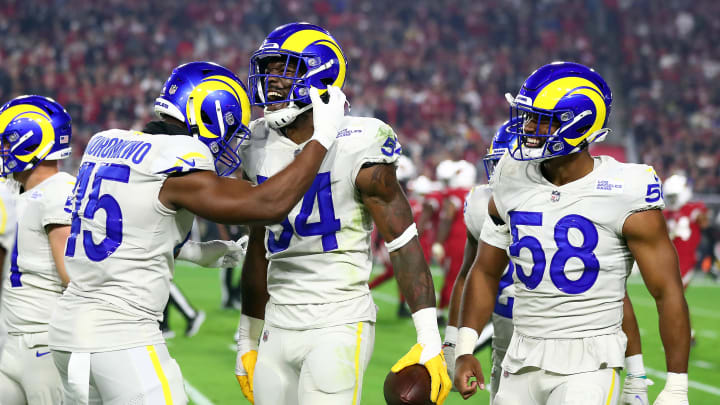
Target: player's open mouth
[(534, 141), (275, 95)]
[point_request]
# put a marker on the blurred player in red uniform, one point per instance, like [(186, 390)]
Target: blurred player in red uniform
[(451, 229), (405, 172), (685, 219), (425, 204)]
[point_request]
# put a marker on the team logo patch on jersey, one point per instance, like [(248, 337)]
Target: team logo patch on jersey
[(611, 186), (555, 196)]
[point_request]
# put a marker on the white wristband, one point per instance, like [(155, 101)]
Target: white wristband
[(450, 335), (428, 334), (248, 334), (635, 366), (677, 381), (402, 240), (466, 341)]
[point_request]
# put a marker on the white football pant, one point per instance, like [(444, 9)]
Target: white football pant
[(540, 387), (322, 366), (144, 375), (502, 332), (27, 372)]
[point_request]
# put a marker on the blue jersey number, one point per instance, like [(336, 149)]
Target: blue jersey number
[(326, 227), (505, 282), (113, 214), (565, 251), (654, 193), (15, 272)]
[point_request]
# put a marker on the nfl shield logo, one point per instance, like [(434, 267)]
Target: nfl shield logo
[(555, 196), (173, 89), (266, 333), (229, 118)]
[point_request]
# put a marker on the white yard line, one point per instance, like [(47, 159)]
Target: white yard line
[(196, 396), (692, 384), (703, 364)]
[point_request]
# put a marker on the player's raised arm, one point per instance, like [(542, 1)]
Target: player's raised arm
[(382, 195), (478, 301), (647, 238), (232, 201)]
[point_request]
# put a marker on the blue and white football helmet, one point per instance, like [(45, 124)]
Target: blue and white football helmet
[(505, 139), (312, 57), (213, 103), (570, 96), (33, 129)]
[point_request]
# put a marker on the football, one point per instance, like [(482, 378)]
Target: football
[(410, 386)]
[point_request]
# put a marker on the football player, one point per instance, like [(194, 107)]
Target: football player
[(686, 220), (134, 203), (35, 133), (475, 212), (314, 308), (572, 225)]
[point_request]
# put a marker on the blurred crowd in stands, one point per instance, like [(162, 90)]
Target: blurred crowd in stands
[(435, 70)]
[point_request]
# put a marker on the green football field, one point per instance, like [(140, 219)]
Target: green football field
[(207, 360)]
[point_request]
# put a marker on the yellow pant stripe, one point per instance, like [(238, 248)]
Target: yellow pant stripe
[(160, 374), (612, 387), (357, 362), (3, 216)]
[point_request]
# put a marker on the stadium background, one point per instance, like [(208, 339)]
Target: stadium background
[(434, 70)]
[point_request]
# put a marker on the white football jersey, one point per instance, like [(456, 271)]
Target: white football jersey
[(120, 253), (33, 285), (320, 258), (571, 260)]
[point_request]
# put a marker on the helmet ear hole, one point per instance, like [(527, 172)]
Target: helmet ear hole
[(582, 130), (205, 117)]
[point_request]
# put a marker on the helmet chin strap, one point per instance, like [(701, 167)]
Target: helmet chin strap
[(284, 116)]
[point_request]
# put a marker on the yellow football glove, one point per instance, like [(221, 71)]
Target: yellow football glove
[(247, 337), (244, 372), (428, 352), (440, 383)]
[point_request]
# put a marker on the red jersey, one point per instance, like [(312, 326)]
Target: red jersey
[(458, 231), (686, 233)]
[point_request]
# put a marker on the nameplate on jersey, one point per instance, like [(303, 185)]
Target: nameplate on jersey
[(347, 132), (610, 186)]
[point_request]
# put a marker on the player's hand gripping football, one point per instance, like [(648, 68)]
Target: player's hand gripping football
[(327, 117), (635, 391), (248, 336), (428, 352), (466, 367), (675, 391)]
